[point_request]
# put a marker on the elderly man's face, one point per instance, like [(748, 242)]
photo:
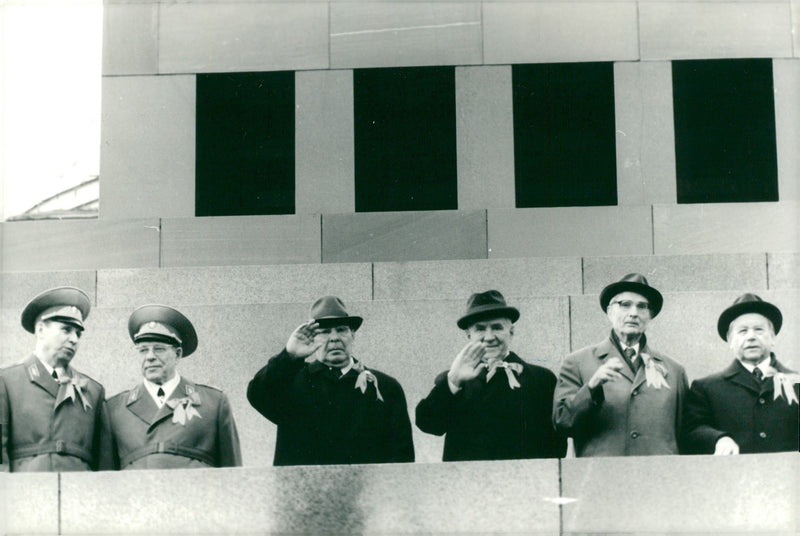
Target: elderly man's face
[(159, 360), (751, 337), (336, 345), (57, 342), (629, 314), (495, 334)]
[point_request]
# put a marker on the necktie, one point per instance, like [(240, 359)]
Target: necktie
[(160, 394), (758, 374), (54, 375), (630, 355)]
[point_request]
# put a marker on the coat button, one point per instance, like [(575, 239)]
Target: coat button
[(634, 392), (762, 435), (634, 435), (762, 401)]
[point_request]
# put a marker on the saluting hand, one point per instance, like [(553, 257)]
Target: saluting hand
[(606, 372), (467, 364), (301, 342)]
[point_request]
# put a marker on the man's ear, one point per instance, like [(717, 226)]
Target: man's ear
[(511, 330), (179, 352)]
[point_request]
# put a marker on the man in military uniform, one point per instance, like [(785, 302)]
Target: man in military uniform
[(332, 410), (168, 421), (53, 417), (752, 405), (492, 405)]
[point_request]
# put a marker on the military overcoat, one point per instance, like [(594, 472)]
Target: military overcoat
[(52, 426), (194, 428)]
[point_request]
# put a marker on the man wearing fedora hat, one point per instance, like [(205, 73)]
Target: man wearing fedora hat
[(621, 397), (752, 405), (167, 421), (53, 417), (491, 405), (329, 408)]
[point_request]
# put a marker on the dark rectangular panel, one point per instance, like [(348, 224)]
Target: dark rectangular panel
[(564, 145), (245, 144), (405, 139), (724, 131)]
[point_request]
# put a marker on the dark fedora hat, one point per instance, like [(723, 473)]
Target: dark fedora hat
[(330, 311), (161, 323), (633, 283), (748, 303), (65, 304), (484, 305)]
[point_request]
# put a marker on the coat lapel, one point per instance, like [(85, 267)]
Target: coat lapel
[(185, 388), (141, 404), (38, 375), (740, 376), (607, 350)]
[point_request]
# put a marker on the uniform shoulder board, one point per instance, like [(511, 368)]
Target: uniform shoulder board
[(211, 387)]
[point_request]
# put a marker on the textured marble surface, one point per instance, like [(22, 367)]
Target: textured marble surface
[(31, 503), (538, 32), (422, 280), (148, 147), (687, 30), (748, 494), (786, 79), (324, 157), (679, 273), (570, 231), (784, 270), (394, 498), (395, 34), (726, 228), (240, 240), (485, 137), (242, 37), (645, 133), (79, 244), (219, 285), (404, 236), (130, 39)]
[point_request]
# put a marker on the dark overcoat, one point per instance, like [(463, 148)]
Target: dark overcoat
[(149, 437), (629, 418), (324, 418), (45, 429), (733, 403), (492, 421)]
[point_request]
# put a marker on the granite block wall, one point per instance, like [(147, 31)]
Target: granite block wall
[(750, 494)]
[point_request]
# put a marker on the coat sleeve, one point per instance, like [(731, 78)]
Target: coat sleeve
[(435, 412), (228, 451), (556, 438), (4, 427), (573, 402), (700, 434), (268, 391), (402, 441), (103, 441)]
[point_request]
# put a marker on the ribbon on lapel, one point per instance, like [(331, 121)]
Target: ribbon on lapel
[(73, 389), (511, 370), (183, 408), (365, 376), (783, 384), (655, 373)]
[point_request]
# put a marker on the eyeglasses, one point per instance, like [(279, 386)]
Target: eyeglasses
[(628, 304)]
